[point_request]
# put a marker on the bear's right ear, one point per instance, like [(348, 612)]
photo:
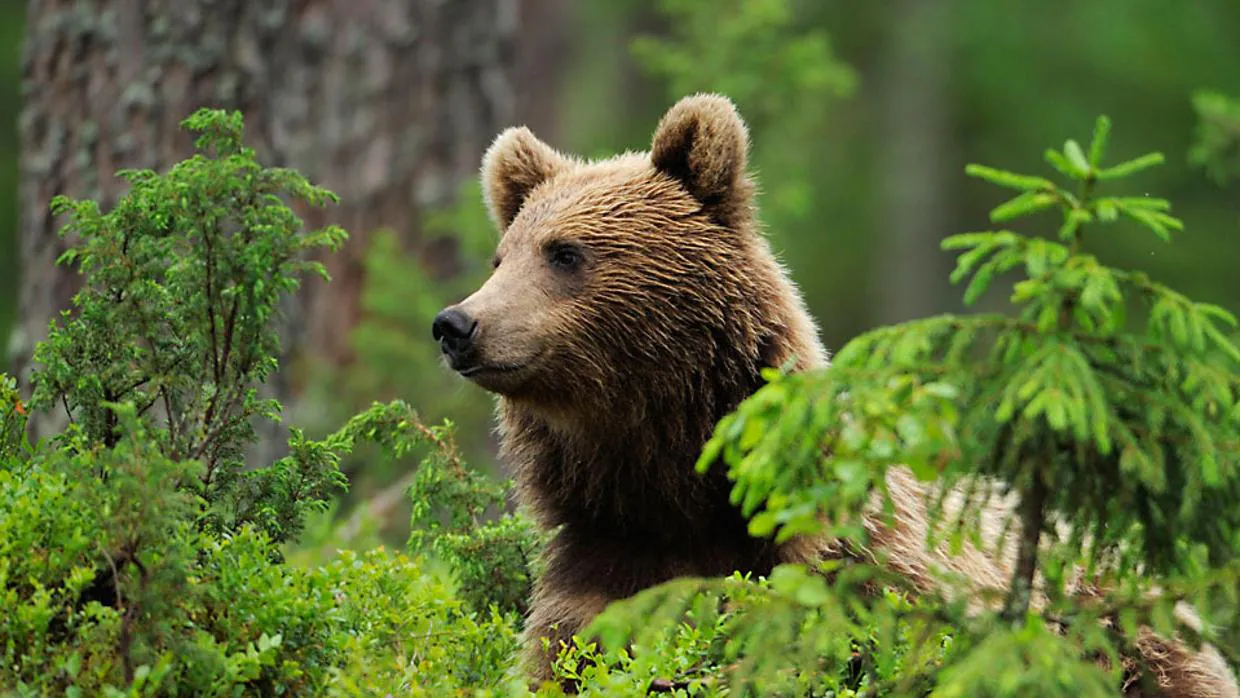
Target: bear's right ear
[(703, 142), (515, 163)]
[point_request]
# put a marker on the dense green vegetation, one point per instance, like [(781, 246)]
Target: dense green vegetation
[(140, 553)]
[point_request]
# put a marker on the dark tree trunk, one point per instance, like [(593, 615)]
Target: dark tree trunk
[(389, 103)]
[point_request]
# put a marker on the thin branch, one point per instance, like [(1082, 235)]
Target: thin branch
[(215, 356), (64, 400)]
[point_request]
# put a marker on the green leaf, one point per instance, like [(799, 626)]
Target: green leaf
[(1160, 223), (1011, 180), (963, 240), (1098, 146), (752, 434), (1211, 476), (1146, 202), (1060, 163), (1022, 205), (968, 261), (1056, 411), (1076, 159), (710, 452), (1131, 167), (812, 592), (762, 524), (1073, 222)]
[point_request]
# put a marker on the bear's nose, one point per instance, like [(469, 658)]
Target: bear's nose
[(453, 329)]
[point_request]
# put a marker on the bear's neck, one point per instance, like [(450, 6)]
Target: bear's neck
[(627, 473)]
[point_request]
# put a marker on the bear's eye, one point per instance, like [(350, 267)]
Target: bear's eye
[(564, 257)]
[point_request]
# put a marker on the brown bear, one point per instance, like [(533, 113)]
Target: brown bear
[(633, 304)]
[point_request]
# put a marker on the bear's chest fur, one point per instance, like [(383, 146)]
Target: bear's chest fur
[(626, 494)]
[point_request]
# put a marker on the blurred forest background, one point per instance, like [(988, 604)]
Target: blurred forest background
[(863, 116)]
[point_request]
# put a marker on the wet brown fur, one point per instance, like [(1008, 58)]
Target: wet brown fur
[(613, 376)]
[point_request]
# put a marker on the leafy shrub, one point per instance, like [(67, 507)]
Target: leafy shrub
[(494, 558), (139, 553)]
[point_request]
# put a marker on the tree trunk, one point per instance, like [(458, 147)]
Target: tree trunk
[(389, 103), (542, 65), (914, 145)]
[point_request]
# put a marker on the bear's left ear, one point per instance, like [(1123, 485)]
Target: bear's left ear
[(703, 142), (515, 163)]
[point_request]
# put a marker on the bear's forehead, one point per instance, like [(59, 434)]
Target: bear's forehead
[(587, 184), (622, 188)]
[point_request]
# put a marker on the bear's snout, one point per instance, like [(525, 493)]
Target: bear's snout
[(454, 329)]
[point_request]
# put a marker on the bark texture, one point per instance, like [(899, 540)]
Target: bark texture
[(389, 103)]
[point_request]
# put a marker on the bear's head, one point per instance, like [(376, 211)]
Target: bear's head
[(630, 283)]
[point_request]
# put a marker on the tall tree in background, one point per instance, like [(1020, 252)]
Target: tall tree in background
[(543, 56), (11, 12), (388, 103), (916, 132)]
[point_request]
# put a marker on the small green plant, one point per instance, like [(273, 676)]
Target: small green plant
[(458, 515), (183, 280), (1108, 402)]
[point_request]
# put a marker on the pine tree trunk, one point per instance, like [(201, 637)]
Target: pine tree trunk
[(389, 103)]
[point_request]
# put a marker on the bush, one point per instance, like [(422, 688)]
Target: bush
[(139, 553)]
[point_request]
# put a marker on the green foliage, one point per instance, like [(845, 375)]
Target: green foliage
[(492, 557), (139, 554), (1122, 443), (1217, 147), (399, 300), (748, 50), (1142, 428), (400, 297), (12, 418), (792, 634), (183, 279)]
